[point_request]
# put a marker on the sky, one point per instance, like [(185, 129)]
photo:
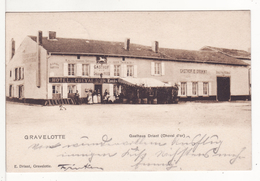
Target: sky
[(174, 29)]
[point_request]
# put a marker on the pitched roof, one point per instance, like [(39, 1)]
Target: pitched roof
[(240, 54), (96, 47)]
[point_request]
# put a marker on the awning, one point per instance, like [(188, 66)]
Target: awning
[(143, 82)]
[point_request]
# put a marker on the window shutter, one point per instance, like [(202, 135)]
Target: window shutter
[(49, 91), (65, 90), (210, 89), (65, 69), (179, 91), (135, 70), (124, 70), (79, 89), (91, 67), (152, 68), (200, 87), (163, 68), (79, 69), (189, 88), (111, 70)]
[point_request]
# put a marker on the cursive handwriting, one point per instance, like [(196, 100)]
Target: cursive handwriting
[(66, 167)]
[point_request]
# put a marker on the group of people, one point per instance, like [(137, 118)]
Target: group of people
[(94, 97)]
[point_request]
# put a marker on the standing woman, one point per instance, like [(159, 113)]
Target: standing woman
[(90, 101), (99, 96), (95, 101)]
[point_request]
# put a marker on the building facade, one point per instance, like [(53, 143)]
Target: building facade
[(45, 68)]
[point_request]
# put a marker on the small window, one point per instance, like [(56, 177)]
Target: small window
[(71, 69), (194, 88), (123, 58), (10, 73), (183, 88), (130, 70), (16, 74), (157, 68), (78, 56), (205, 88), (116, 70), (85, 69)]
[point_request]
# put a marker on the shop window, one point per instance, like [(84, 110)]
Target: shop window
[(85, 69), (157, 68), (194, 88), (116, 70), (71, 89), (71, 69), (56, 89), (205, 88), (130, 71), (183, 88)]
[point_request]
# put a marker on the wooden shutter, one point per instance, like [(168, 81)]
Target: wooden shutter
[(210, 89), (163, 68), (49, 91), (200, 88), (189, 88), (111, 70), (65, 69), (124, 70), (179, 91), (152, 68), (65, 90), (135, 70), (91, 68), (79, 69)]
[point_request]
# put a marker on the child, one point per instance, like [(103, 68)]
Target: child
[(62, 107)]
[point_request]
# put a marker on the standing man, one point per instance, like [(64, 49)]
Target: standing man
[(77, 97)]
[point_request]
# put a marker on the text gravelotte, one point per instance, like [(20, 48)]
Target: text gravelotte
[(35, 137)]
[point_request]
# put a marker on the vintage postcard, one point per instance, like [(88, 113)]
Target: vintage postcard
[(128, 91)]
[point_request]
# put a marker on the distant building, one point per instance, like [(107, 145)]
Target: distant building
[(52, 68)]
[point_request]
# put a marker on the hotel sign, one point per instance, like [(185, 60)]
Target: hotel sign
[(81, 80), (101, 69)]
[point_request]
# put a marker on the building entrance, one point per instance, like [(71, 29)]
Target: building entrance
[(223, 88), (98, 90)]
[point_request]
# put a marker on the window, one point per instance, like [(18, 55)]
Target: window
[(71, 89), (205, 88), (22, 73), (71, 69), (56, 89), (10, 73), (116, 70), (194, 88), (157, 68), (19, 74), (10, 91), (85, 69), (183, 88), (16, 74), (78, 56), (130, 70)]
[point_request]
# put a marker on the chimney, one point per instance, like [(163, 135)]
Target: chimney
[(52, 35), (39, 38), (12, 48), (155, 46), (127, 44)]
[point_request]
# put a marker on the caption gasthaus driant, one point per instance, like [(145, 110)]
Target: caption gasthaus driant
[(52, 68)]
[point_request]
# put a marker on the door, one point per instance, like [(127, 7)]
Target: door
[(98, 90), (223, 88)]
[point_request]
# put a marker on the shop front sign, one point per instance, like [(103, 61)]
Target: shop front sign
[(81, 80), (193, 71)]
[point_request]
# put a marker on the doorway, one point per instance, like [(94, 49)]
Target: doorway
[(223, 88), (98, 90)]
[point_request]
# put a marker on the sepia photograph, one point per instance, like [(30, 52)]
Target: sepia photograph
[(128, 91)]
